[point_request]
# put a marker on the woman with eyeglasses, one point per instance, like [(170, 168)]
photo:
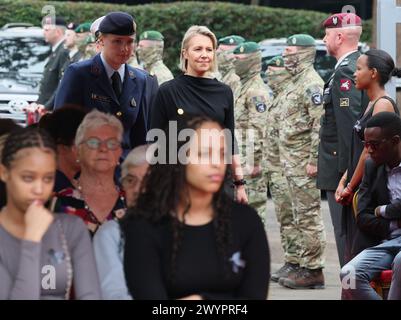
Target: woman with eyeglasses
[(108, 242), (374, 69), (42, 255), (96, 197)]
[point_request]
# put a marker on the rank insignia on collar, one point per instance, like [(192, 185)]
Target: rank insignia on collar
[(95, 69), (131, 74)]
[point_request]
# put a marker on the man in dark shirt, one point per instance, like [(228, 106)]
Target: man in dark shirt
[(378, 214)]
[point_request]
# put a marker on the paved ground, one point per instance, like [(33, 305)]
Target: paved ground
[(331, 271)]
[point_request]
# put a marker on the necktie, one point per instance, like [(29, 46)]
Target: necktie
[(116, 83)]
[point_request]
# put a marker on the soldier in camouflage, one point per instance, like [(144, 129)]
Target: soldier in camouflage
[(150, 54), (278, 80), (225, 61), (299, 138), (251, 103)]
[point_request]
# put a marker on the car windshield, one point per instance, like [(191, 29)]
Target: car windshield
[(23, 55)]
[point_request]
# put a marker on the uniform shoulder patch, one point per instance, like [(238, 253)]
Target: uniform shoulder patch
[(345, 84), (260, 103), (261, 107), (317, 98)]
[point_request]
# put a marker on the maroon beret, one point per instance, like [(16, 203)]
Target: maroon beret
[(342, 20)]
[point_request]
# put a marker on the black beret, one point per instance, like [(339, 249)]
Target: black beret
[(71, 26), (119, 23)]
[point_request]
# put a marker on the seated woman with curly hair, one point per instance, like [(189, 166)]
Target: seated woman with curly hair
[(184, 238)]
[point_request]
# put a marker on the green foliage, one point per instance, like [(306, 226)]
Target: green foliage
[(254, 23)]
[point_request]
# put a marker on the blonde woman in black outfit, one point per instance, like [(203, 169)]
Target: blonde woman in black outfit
[(185, 239), (196, 93)]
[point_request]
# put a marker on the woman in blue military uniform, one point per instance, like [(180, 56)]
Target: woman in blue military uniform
[(107, 83)]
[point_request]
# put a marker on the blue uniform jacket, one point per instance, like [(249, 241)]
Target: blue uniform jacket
[(86, 84)]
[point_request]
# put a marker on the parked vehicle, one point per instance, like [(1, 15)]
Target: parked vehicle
[(23, 54)]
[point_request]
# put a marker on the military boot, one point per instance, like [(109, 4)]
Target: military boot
[(304, 279), (284, 271)]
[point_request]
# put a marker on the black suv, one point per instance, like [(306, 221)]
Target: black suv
[(324, 64), (23, 54)]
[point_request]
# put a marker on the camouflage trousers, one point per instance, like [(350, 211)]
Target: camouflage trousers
[(285, 216), (308, 219), (257, 194)]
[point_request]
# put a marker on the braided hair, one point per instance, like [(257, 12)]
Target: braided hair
[(156, 204), (25, 138)]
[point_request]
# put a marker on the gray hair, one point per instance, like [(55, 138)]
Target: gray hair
[(96, 119), (191, 32), (136, 157)]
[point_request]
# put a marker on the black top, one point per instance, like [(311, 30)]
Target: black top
[(349, 225), (343, 103), (199, 267), (193, 95)]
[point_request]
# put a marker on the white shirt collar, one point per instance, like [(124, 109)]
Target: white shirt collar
[(110, 70), (388, 169), (54, 48), (343, 57)]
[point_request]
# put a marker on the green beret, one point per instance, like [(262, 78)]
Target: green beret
[(301, 40), (276, 61), (247, 47), (232, 40), (83, 27), (151, 35)]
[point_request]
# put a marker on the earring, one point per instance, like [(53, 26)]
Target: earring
[(77, 161)]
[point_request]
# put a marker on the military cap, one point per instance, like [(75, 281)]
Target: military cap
[(232, 40), (95, 25), (246, 47), (276, 61), (83, 27), (151, 35), (71, 26), (59, 21), (342, 20), (119, 23), (301, 40)]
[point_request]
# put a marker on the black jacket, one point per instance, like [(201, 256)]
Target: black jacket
[(373, 192), (343, 104), (52, 74)]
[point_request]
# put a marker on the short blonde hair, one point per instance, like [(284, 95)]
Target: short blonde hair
[(191, 32), (96, 119)]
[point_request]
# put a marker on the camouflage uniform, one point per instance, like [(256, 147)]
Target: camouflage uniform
[(225, 62), (151, 57), (252, 101), (278, 81), (299, 138)]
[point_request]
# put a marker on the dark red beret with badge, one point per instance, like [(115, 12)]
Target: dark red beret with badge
[(342, 20)]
